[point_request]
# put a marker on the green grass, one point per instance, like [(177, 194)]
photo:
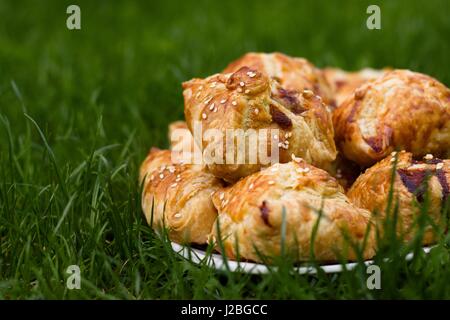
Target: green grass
[(80, 109)]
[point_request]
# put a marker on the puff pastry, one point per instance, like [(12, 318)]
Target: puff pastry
[(250, 215), (371, 189), (184, 149), (401, 110), (295, 74), (249, 99), (344, 83), (179, 195)]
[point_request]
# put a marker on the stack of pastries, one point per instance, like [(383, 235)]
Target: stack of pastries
[(341, 138)]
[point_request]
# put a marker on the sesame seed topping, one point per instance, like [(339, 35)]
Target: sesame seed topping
[(392, 160), (306, 170), (239, 89), (152, 177), (242, 83), (212, 85), (222, 195), (162, 168), (275, 136), (439, 166), (211, 106), (308, 93), (429, 156), (256, 110), (204, 115), (173, 185), (251, 186), (234, 103), (177, 215), (251, 74), (280, 144), (171, 169), (177, 179), (271, 182), (215, 109), (200, 88), (393, 153), (247, 91), (223, 101), (161, 176), (208, 100)]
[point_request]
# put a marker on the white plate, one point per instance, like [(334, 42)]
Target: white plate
[(216, 261)]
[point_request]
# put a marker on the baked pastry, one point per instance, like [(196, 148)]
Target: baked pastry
[(343, 83), (251, 215), (178, 196), (248, 100), (371, 190), (401, 110), (345, 171), (294, 74), (184, 149)]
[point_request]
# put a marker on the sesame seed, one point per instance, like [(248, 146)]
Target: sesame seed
[(171, 169), (308, 93), (198, 94), (251, 74), (239, 89), (212, 85), (178, 176), (256, 110), (208, 100), (247, 91), (177, 215), (223, 101), (173, 185), (161, 176), (275, 136), (306, 170), (222, 195), (204, 115), (289, 134), (429, 156), (162, 168), (392, 160), (287, 142), (234, 103), (393, 153), (271, 182), (286, 135), (242, 83), (439, 166), (177, 179), (280, 144), (215, 109), (211, 106), (251, 186), (200, 88), (152, 177)]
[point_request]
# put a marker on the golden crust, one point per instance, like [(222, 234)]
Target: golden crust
[(250, 214), (344, 83), (295, 74), (401, 110), (371, 189), (248, 99), (180, 196)]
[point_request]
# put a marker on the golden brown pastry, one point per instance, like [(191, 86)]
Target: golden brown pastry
[(184, 149), (248, 99), (371, 189), (250, 214), (401, 110), (294, 74), (343, 83), (180, 197), (344, 170)]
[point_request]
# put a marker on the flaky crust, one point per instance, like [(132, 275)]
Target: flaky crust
[(248, 99), (180, 196), (295, 74), (343, 83), (250, 214), (401, 110), (371, 190)]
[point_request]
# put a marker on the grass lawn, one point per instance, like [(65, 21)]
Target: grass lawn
[(80, 109)]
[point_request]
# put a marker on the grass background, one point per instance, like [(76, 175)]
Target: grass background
[(103, 95)]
